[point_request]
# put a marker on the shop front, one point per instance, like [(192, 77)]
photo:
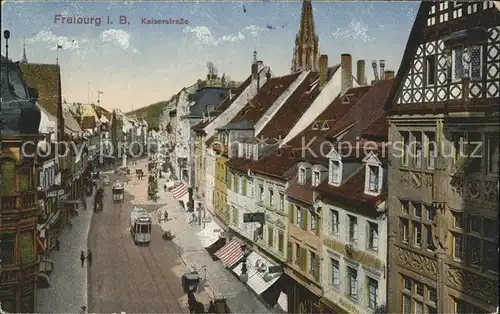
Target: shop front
[(263, 277), (303, 297)]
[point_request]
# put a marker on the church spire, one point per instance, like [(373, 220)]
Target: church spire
[(306, 51), (24, 59)]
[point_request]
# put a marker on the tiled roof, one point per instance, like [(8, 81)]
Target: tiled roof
[(276, 163), (206, 97), (379, 128), (241, 164), (332, 115), (45, 78), (368, 109), (240, 125), (227, 102), (352, 190), (293, 109), (70, 122), (88, 122), (267, 95), (301, 192), (200, 126)]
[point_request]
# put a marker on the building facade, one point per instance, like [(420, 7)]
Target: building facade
[(443, 199), (18, 194)]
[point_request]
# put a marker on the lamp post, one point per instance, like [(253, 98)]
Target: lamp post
[(244, 268)]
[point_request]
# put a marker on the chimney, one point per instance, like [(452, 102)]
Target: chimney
[(388, 75), (346, 68), (360, 73), (255, 70), (323, 71), (268, 74), (382, 66), (375, 71)]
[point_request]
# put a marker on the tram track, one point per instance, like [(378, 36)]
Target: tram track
[(126, 253), (155, 271)]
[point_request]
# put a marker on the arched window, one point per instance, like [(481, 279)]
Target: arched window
[(8, 169)]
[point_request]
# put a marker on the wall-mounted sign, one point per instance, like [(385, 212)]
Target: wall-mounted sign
[(275, 269), (254, 217)]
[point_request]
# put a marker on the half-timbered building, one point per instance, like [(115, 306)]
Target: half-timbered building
[(443, 168)]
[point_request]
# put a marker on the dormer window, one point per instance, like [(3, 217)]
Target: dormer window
[(325, 126), (373, 180), (335, 172), (315, 126), (302, 175), (316, 178)]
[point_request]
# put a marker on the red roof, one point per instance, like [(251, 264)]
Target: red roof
[(368, 109), (333, 116), (301, 192), (351, 190), (266, 96), (379, 128), (241, 164), (293, 109), (276, 163)]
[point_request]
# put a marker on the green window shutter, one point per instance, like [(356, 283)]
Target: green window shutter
[(291, 214), (27, 247), (289, 248), (305, 214), (8, 176), (318, 269), (318, 225), (244, 185), (303, 259)]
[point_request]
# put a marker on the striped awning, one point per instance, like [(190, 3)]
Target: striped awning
[(230, 253), (179, 191)]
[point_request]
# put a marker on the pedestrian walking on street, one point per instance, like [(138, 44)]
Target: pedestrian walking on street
[(82, 258), (89, 257), (165, 188), (166, 215)]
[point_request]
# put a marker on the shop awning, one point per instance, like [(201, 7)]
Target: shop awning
[(260, 272), (179, 191), (230, 253)]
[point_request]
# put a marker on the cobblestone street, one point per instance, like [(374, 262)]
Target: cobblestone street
[(68, 281)]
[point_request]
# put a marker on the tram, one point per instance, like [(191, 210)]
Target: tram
[(140, 225), (118, 190)]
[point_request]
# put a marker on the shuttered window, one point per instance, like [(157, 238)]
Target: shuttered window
[(289, 248), (8, 176), (27, 247), (303, 259), (304, 214), (243, 185)]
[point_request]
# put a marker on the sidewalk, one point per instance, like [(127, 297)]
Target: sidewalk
[(68, 282), (220, 282)]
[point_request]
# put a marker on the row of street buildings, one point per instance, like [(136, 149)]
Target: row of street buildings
[(330, 193), (48, 151)]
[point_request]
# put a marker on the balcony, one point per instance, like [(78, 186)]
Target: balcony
[(9, 202)]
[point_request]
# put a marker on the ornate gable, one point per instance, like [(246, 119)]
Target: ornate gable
[(451, 57)]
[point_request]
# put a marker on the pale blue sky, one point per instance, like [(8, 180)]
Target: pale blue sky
[(136, 65)]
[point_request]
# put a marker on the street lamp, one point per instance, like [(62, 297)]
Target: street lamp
[(244, 268)]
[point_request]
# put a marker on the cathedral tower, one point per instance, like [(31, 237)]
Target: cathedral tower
[(306, 51)]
